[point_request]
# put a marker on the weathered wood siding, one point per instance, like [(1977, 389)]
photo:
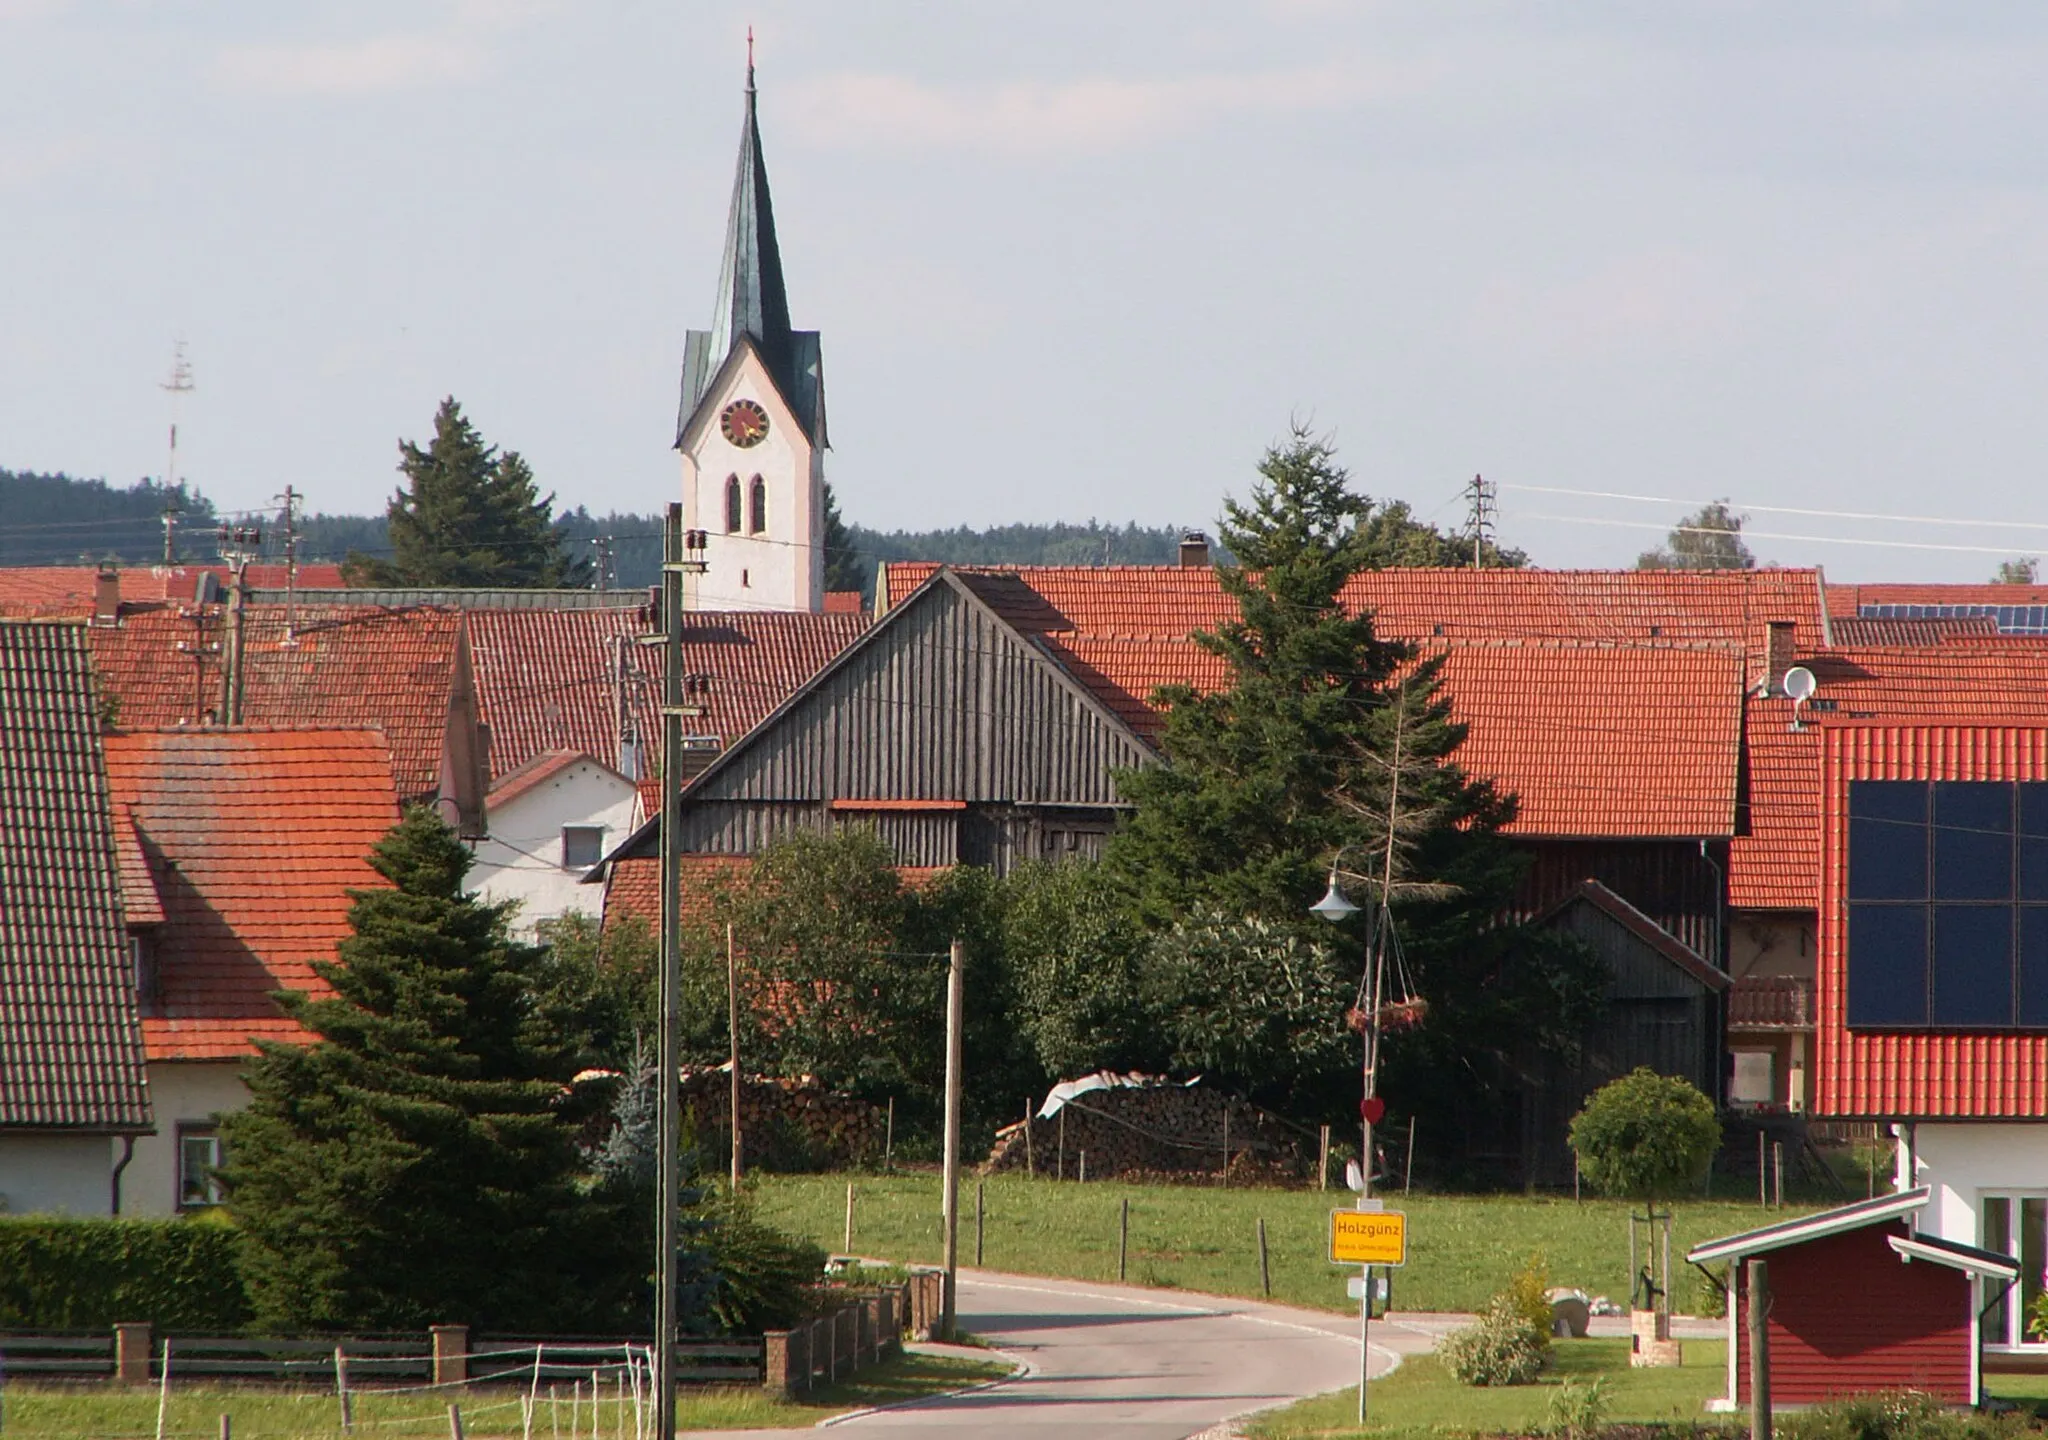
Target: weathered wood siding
[(1667, 880), (1849, 1317), (940, 702)]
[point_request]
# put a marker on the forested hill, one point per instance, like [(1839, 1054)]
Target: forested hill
[(58, 520)]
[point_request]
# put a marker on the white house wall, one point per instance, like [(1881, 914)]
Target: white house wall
[(185, 1092), (521, 858), (1963, 1162), (62, 1174)]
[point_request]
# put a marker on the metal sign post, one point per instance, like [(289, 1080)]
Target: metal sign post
[(1367, 1236)]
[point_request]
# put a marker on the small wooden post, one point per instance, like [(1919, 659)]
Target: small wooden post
[(1226, 1135), (849, 1218), (1575, 1177), (1123, 1237), (1408, 1170), (227, 1428), (1778, 1173), (163, 1393), (1030, 1165), (348, 1410), (455, 1421), (889, 1139), (1763, 1178), (1084, 1167), (1060, 1156), (1759, 1350), (1323, 1160), (980, 1196), (1265, 1270)]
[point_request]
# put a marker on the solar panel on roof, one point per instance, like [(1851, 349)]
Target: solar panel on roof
[(2010, 619)]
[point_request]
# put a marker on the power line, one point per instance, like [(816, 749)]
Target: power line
[(1779, 509)]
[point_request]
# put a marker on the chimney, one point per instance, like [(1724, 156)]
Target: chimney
[(1778, 656), (1194, 550), (106, 596)]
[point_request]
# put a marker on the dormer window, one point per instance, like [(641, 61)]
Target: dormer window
[(582, 846)]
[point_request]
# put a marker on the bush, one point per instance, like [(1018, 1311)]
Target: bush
[(1528, 1296), (71, 1274), (1646, 1136), (1500, 1348), (763, 1279), (1577, 1410), (1891, 1415)]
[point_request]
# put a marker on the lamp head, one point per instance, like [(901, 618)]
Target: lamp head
[(1335, 905)]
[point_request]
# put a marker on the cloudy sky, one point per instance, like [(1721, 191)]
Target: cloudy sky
[(1069, 259)]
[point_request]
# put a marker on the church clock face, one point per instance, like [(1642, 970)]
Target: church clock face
[(744, 423)]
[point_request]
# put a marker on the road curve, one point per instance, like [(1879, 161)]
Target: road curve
[(1110, 1362)]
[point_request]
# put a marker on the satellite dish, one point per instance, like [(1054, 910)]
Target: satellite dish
[(1800, 684)]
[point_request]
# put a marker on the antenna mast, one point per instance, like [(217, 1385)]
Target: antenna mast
[(292, 502), (179, 385), (1482, 496)]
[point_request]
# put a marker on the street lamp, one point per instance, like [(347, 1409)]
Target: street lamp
[(1335, 904)]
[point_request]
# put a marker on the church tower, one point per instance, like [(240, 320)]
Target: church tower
[(752, 426)]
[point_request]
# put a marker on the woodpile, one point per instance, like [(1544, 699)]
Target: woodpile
[(1156, 1132), (785, 1124)]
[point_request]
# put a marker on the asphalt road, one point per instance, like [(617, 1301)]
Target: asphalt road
[(1109, 1362)]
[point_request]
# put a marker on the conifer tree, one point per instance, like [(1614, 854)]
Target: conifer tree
[(844, 569), (469, 514), (417, 1163)]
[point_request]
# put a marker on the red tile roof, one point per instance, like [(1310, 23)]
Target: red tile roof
[(1850, 599), (545, 677), (844, 602), (1775, 864), (541, 769), (70, 1036), (1935, 1073), (633, 886), (255, 836), (28, 590), (139, 898), (347, 666), (1855, 631)]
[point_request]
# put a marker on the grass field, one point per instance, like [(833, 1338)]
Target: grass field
[(1422, 1400), (104, 1413), (1461, 1249)]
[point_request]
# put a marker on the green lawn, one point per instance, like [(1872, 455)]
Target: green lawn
[(1460, 1248), (1422, 1400), (29, 1412)]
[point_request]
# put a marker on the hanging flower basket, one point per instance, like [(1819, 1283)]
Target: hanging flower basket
[(1404, 1014)]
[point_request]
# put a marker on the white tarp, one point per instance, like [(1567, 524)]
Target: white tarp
[(1067, 1090)]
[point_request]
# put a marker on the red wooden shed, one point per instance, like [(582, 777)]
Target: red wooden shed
[(1860, 1302)]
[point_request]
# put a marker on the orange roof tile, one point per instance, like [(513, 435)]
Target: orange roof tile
[(545, 677), (1850, 599), (633, 886), (1855, 631), (51, 590), (140, 902), (255, 836), (346, 665)]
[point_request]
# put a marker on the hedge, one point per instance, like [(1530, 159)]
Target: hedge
[(70, 1274)]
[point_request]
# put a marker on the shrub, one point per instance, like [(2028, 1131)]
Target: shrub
[(1890, 1415), (1528, 1296), (1646, 1136), (1500, 1348), (764, 1279), (1577, 1410), (58, 1273)]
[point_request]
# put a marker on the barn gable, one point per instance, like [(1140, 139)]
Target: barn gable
[(958, 738)]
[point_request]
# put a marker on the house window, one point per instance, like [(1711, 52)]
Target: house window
[(582, 846), (732, 504), (198, 1167), (1755, 1079), (2015, 1225), (757, 507), (1948, 905)]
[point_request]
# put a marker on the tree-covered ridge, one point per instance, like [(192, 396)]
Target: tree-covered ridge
[(63, 520)]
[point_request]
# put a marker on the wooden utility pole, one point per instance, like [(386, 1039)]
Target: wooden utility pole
[(668, 1052), (732, 1021), (956, 990), (1759, 1350)]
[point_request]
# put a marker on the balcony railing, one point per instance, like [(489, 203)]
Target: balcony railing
[(1770, 1002)]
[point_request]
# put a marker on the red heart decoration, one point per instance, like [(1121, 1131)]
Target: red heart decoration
[(1374, 1110)]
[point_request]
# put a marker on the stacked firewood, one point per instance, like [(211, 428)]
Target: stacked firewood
[(1155, 1132), (786, 1124)]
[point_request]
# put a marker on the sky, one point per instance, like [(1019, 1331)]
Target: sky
[(1070, 260)]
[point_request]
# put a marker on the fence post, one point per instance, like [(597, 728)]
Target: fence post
[(451, 1353), (1123, 1236), (131, 1354), (455, 1422), (1265, 1270), (776, 1373)]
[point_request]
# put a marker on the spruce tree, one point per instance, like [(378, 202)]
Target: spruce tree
[(469, 515), (418, 1163), (844, 569)]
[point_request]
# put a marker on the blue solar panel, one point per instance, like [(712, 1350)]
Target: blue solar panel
[(2010, 619)]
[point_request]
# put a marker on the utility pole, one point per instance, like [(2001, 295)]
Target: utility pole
[(1482, 496), (238, 546), (292, 500), (956, 1008), (605, 577), (732, 1020), (179, 385), (668, 1109)]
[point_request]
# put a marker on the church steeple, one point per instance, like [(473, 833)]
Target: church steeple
[(753, 302), (751, 297)]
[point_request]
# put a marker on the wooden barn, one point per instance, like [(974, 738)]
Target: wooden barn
[(1859, 1302)]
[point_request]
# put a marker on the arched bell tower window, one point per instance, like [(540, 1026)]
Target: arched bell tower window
[(732, 504), (757, 507)]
